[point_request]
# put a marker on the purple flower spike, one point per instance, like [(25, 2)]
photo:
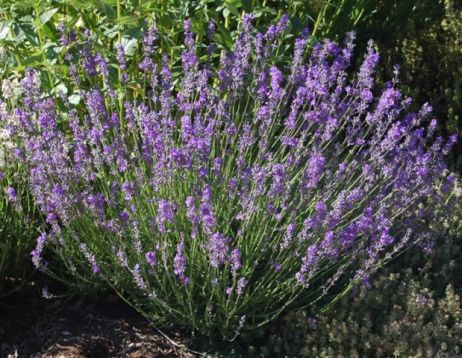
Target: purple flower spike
[(37, 252), (179, 264), (151, 258)]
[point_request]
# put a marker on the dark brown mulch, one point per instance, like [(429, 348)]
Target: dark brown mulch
[(32, 327)]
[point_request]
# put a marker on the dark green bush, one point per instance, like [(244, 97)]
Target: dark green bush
[(399, 317)]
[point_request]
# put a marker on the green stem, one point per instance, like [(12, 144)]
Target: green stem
[(321, 16)]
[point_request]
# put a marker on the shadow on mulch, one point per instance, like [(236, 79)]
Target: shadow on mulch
[(32, 327)]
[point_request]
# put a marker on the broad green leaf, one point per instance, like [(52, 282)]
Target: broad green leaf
[(236, 3), (109, 2), (198, 26), (61, 88), (49, 31), (130, 46), (112, 31), (165, 21), (29, 32), (128, 20), (232, 9), (33, 61), (47, 15), (4, 29), (223, 38), (107, 8), (24, 5), (74, 99)]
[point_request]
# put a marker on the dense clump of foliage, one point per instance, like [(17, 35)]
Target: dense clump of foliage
[(398, 316), (219, 198)]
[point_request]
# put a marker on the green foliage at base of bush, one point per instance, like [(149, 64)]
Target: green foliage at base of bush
[(398, 317)]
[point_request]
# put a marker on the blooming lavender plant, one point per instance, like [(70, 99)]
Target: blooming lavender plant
[(228, 196)]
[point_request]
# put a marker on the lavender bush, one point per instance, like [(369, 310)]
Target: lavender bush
[(222, 198)]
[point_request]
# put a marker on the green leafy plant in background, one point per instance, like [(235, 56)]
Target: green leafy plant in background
[(28, 30), (30, 37)]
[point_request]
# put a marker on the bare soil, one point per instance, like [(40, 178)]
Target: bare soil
[(34, 327)]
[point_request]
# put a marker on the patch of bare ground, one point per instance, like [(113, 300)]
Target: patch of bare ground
[(67, 329)]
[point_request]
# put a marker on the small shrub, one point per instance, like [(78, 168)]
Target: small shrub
[(223, 197), (398, 316)]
